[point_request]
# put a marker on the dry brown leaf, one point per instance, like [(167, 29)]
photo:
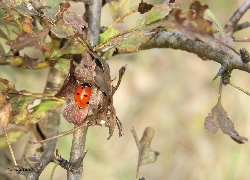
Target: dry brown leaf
[(26, 40), (146, 154), (218, 119)]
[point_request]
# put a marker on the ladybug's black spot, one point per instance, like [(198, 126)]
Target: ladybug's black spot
[(87, 102), (77, 93), (85, 95)]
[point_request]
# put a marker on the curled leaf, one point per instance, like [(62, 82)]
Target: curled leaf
[(218, 119), (146, 154), (73, 114)]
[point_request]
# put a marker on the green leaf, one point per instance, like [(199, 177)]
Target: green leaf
[(20, 108), (54, 8), (39, 111), (63, 65), (128, 42), (108, 34), (3, 35), (13, 134), (71, 47), (158, 12), (2, 51)]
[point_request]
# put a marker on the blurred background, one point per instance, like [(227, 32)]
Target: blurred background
[(172, 91)]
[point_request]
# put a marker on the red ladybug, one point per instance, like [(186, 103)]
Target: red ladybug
[(82, 94)]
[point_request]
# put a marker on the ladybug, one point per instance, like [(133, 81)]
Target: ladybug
[(82, 95)]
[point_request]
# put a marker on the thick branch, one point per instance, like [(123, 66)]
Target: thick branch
[(79, 136), (94, 21), (77, 153), (49, 125), (178, 41)]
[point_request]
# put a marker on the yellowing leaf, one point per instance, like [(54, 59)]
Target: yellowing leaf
[(217, 26), (5, 87), (63, 65), (39, 111), (146, 154), (108, 34), (5, 114), (20, 108), (158, 12), (127, 42)]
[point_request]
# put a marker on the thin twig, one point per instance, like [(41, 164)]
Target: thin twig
[(60, 135), (233, 21), (239, 88), (242, 26), (242, 39), (8, 142), (133, 10)]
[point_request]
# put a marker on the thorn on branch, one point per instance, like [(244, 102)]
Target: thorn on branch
[(225, 73), (244, 54)]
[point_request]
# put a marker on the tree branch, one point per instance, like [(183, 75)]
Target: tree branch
[(94, 21), (49, 125), (178, 41), (77, 152), (79, 136), (233, 21)]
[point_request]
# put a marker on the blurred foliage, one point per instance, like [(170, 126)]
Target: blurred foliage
[(173, 92)]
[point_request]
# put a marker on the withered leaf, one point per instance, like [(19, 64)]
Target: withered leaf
[(5, 114), (62, 30), (218, 119), (63, 10), (146, 154), (73, 114), (85, 71), (193, 20), (5, 87), (68, 88), (30, 62), (144, 7), (26, 40), (75, 21)]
